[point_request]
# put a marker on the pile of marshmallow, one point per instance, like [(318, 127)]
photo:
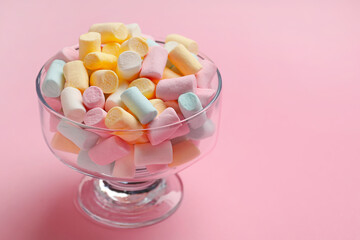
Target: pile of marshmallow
[(120, 79)]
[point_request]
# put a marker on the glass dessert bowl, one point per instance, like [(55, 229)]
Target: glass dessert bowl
[(107, 194)]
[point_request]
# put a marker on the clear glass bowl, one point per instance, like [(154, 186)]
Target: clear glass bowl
[(155, 192)]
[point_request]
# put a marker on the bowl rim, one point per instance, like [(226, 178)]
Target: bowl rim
[(43, 102)]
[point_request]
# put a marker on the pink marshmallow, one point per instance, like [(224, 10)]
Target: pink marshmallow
[(171, 89), (96, 118), (156, 168), (109, 150), (147, 154), (206, 74), (182, 130), (125, 167), (154, 63), (66, 54), (54, 103), (168, 116), (93, 97), (205, 95), (53, 122)]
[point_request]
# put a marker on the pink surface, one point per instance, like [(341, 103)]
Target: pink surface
[(287, 161)]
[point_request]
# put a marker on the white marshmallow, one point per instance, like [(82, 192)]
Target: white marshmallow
[(114, 100), (147, 154), (205, 131), (84, 161), (72, 104), (134, 30), (128, 65)]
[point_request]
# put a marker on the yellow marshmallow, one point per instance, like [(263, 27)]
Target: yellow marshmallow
[(89, 42), (146, 87), (159, 105), (183, 152), (184, 60), (110, 32), (112, 48), (118, 118), (136, 44), (99, 60), (107, 80), (190, 44), (76, 75), (168, 73), (61, 143)]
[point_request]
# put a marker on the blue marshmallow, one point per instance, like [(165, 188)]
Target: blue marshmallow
[(54, 80), (84, 161), (151, 42), (189, 105), (139, 105)]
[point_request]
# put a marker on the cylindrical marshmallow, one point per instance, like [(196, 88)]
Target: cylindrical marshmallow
[(128, 65), (61, 143), (189, 105), (170, 45), (109, 150), (67, 54), (146, 87), (190, 44), (106, 80), (168, 73), (112, 48), (72, 104), (89, 42), (158, 104), (139, 105), (205, 95), (205, 131), (54, 79), (184, 60), (114, 100), (134, 30), (147, 154), (95, 117), (184, 152), (150, 42), (82, 138), (154, 63), (110, 32), (168, 116), (84, 161), (136, 44), (93, 97), (76, 75), (125, 166), (154, 168), (174, 104), (100, 60), (171, 89), (54, 103), (206, 74)]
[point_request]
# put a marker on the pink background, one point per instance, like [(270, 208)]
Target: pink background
[(287, 162)]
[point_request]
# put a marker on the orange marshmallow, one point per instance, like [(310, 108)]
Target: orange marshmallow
[(184, 152), (110, 32), (184, 60), (174, 104), (76, 75), (107, 80), (168, 73), (100, 60), (61, 143), (145, 85), (89, 42)]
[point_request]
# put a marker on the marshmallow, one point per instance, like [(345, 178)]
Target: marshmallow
[(150, 42), (54, 79), (190, 44), (134, 30), (76, 75), (84, 161), (173, 104), (88, 43), (189, 105), (114, 99), (184, 152), (205, 95), (139, 105), (100, 60), (82, 138), (111, 48), (154, 168), (147, 154), (54, 103), (170, 45), (136, 44), (154, 63), (94, 97), (168, 73), (205, 131), (106, 80), (168, 116), (158, 104), (72, 104), (142, 139), (184, 60), (109, 150), (171, 89), (95, 117), (125, 167), (146, 87), (206, 74), (181, 131), (61, 143), (67, 54), (118, 118), (128, 65), (53, 122), (110, 32)]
